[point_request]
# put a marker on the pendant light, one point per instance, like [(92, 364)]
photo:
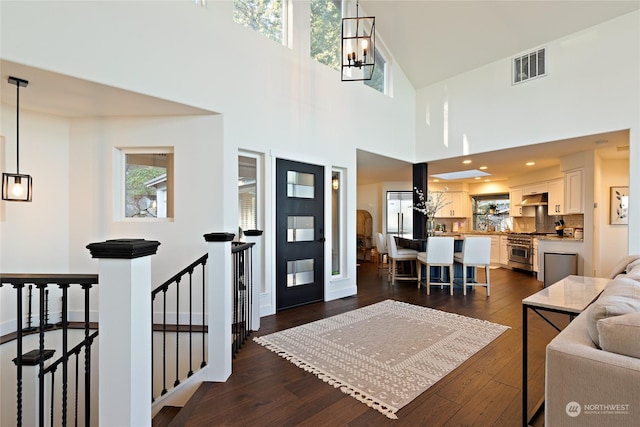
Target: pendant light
[(358, 48), (17, 187)]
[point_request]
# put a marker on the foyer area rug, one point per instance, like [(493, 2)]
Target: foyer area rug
[(385, 354)]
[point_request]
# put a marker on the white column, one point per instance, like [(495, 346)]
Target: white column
[(219, 305), (125, 331), (255, 237)]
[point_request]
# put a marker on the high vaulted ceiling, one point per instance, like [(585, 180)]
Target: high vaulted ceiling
[(434, 40)]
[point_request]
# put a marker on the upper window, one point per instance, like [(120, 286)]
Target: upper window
[(265, 16), (148, 183), (379, 72), (326, 24)]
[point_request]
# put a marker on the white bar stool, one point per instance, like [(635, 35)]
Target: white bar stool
[(439, 254), (476, 252)]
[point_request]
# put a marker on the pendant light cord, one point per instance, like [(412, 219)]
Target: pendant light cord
[(18, 128)]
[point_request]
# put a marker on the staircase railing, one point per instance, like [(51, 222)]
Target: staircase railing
[(180, 324), (242, 293), (44, 283)]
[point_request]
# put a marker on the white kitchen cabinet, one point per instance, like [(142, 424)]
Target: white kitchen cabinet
[(515, 198), (460, 206), (574, 192), (556, 197), (537, 188), (504, 251), (534, 254), (495, 250)]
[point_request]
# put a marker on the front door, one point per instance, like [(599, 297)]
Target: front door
[(299, 234)]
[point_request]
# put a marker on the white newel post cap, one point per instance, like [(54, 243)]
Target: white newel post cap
[(124, 388)]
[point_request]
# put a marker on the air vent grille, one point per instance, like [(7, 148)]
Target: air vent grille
[(530, 66)]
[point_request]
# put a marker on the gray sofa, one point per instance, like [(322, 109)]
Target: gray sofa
[(593, 365)]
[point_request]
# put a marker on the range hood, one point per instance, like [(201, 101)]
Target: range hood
[(541, 199)]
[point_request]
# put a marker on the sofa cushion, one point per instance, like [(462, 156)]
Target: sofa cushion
[(608, 306), (622, 286), (621, 334)]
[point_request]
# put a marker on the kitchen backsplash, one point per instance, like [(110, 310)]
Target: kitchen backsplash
[(543, 223)]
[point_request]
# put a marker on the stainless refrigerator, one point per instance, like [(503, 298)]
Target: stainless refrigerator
[(400, 214)]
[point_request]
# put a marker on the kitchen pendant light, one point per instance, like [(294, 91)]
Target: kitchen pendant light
[(17, 187), (358, 47)]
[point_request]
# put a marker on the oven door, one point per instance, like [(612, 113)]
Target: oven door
[(520, 256)]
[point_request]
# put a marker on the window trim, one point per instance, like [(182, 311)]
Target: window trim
[(119, 190)]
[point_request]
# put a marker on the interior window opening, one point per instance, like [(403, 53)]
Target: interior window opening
[(491, 212)]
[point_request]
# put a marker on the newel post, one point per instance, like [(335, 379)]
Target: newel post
[(125, 331), (255, 237), (219, 305)]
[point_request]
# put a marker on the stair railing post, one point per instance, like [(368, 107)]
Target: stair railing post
[(255, 237), (219, 305), (125, 331)]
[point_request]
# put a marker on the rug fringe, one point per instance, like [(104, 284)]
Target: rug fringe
[(345, 388)]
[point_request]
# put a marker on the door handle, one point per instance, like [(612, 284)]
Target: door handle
[(321, 240)]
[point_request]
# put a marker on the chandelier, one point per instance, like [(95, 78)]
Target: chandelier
[(17, 187), (358, 47)]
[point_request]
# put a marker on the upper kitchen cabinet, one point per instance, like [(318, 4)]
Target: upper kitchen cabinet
[(574, 192), (460, 206), (556, 197), (515, 198)]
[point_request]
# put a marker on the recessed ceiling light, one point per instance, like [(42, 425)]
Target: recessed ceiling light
[(466, 162), (477, 177), (487, 180), (530, 163), (436, 180), (483, 168)]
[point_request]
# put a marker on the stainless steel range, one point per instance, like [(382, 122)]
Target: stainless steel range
[(520, 249)]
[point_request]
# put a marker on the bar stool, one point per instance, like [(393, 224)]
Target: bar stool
[(394, 255), (476, 252), (439, 254), (382, 251)]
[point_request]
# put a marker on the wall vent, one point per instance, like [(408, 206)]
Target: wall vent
[(530, 66)]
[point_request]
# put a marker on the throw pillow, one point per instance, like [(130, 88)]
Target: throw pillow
[(622, 265), (621, 334), (608, 306)]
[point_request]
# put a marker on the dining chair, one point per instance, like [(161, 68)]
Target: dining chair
[(439, 254), (396, 254), (382, 251), (476, 252)]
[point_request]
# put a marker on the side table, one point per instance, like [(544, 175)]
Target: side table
[(569, 296)]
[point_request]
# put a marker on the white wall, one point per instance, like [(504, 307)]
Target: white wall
[(613, 239), (272, 99), (592, 87)]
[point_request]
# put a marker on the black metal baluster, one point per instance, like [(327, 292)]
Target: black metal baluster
[(250, 289), (87, 358), (41, 329), (164, 340), (65, 356), (177, 381), (19, 288), (53, 394), (153, 363), (77, 388), (204, 298), (30, 327), (190, 323)]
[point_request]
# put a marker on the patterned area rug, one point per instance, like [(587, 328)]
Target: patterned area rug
[(385, 354)]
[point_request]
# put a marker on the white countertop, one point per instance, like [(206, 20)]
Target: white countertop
[(571, 294)]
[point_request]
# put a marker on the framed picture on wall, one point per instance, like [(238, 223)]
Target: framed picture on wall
[(619, 206)]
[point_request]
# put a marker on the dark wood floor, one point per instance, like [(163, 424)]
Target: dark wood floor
[(266, 390)]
